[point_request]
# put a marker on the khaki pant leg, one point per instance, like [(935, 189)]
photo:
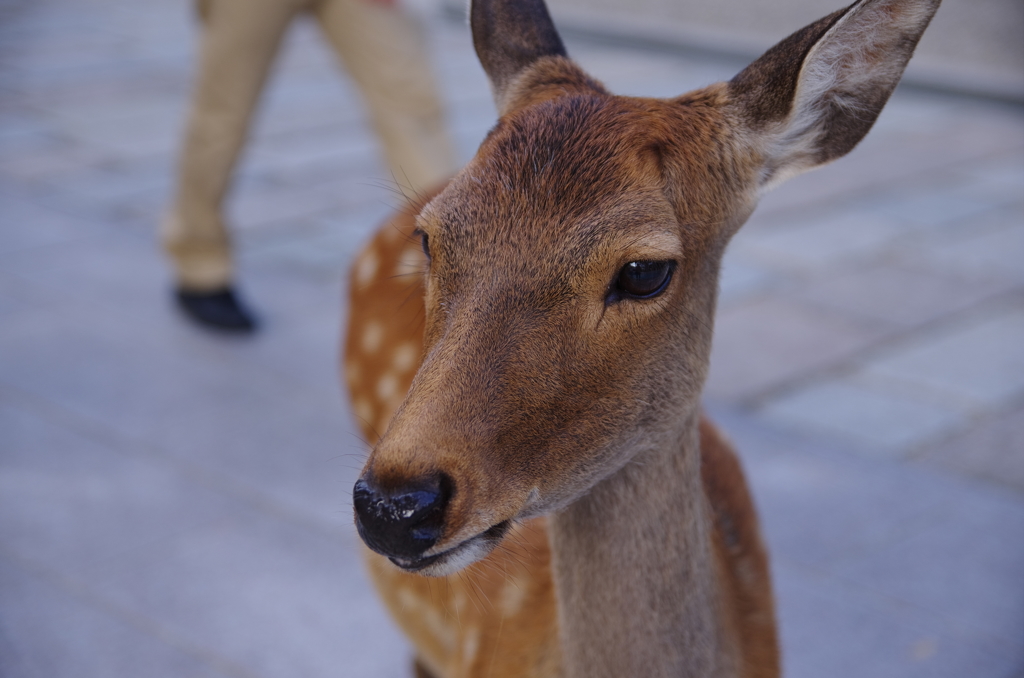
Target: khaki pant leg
[(239, 42), (384, 51)]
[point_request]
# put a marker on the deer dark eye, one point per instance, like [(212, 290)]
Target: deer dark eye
[(642, 279), (424, 241)]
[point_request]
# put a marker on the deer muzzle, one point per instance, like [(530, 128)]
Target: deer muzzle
[(402, 522)]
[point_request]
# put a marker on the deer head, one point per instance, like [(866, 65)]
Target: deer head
[(571, 268)]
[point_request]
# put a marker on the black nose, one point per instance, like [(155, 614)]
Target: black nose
[(401, 522)]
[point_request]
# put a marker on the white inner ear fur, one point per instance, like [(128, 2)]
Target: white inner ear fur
[(856, 56)]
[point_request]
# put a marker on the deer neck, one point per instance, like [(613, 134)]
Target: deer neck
[(636, 584)]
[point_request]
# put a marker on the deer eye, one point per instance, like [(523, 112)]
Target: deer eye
[(424, 241), (642, 280)]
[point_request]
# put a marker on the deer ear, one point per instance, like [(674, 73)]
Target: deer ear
[(509, 36), (813, 97)]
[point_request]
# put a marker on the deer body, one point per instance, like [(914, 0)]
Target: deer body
[(532, 344)]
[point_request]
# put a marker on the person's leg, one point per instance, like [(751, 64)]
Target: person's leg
[(240, 39), (385, 52)]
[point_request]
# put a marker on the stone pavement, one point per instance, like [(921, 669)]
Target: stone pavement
[(176, 504)]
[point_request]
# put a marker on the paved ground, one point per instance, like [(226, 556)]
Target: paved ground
[(971, 45), (176, 504)]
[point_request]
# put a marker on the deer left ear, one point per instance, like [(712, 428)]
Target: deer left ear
[(813, 97), (512, 37)]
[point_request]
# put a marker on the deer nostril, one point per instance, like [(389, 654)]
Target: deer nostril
[(403, 521)]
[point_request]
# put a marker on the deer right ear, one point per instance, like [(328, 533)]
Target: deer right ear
[(813, 97), (512, 35)]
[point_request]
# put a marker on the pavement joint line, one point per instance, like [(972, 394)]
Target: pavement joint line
[(888, 342), (873, 192), (280, 372), (141, 622), (918, 452), (904, 232), (212, 480), (18, 252)]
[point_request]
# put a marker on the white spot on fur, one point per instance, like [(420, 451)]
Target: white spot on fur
[(434, 622), (373, 333), (411, 260), (387, 387), (470, 645), (405, 357), (513, 596), (366, 267)]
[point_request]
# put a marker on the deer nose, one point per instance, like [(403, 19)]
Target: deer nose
[(401, 522)]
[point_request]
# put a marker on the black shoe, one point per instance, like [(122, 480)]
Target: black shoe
[(220, 310)]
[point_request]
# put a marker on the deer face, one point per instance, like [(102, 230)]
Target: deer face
[(568, 300), (571, 267)]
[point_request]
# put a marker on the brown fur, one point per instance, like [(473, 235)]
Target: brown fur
[(508, 364), (740, 553), (474, 603)]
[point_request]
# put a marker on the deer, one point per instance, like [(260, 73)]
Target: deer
[(527, 346)]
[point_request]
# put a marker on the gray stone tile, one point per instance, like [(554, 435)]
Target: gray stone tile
[(634, 73), (826, 510), (154, 382), (821, 499), (303, 159), (820, 242), (31, 222), (322, 247), (144, 133), (983, 254), (116, 267), (965, 568), (24, 132), (993, 450), (303, 321), (97, 116), (45, 632), (293, 305), (893, 295), (142, 539), (167, 81), (980, 364), (934, 206), (886, 421), (30, 164), (16, 296), (113, 189), (741, 279), (833, 629), (288, 205), (296, 592), (999, 180), (768, 342), (73, 503)]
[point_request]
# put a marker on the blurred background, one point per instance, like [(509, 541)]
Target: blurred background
[(176, 503)]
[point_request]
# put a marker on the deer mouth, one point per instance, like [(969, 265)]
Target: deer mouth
[(457, 557)]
